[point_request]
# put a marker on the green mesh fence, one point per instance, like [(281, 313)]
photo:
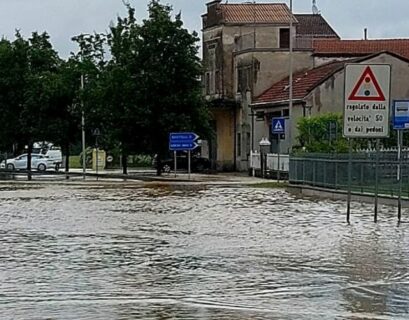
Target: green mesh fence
[(331, 171)]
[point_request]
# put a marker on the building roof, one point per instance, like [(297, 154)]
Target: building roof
[(314, 25), (304, 83), (324, 47), (275, 13)]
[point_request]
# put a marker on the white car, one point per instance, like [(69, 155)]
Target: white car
[(38, 161)]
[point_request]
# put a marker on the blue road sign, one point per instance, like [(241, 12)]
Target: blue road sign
[(401, 114), (179, 146), (179, 141), (185, 136), (278, 125)]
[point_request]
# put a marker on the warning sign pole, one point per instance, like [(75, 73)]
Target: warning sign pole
[(366, 112), (349, 180), (400, 140), (376, 181)]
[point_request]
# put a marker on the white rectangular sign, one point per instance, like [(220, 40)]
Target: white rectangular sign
[(367, 100)]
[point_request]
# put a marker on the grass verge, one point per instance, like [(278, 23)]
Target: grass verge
[(270, 185)]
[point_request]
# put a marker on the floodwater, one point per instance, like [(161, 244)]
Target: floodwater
[(113, 252)]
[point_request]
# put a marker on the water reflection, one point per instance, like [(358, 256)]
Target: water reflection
[(217, 253)]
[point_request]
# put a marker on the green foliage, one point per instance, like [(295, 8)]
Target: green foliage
[(322, 133), (314, 136), (32, 93), (140, 160)]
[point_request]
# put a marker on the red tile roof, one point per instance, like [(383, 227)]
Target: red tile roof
[(314, 25), (276, 13), (328, 47), (303, 83)]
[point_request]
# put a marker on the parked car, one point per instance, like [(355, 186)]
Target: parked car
[(198, 163), (52, 152), (38, 162)]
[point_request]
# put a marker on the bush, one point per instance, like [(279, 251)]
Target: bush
[(140, 160)]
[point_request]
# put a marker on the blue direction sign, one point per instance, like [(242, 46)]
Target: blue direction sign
[(401, 114), (185, 141), (278, 125)]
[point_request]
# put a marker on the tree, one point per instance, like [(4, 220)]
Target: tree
[(89, 65), (169, 84), (10, 82), (128, 117), (36, 93)]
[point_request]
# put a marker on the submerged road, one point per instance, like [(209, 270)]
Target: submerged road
[(119, 251)]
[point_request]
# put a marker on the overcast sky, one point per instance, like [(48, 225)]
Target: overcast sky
[(63, 19)]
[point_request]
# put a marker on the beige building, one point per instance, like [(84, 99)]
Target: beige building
[(245, 51), (321, 90)]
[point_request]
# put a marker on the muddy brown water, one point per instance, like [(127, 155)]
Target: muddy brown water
[(69, 252)]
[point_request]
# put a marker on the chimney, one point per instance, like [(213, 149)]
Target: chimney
[(213, 3), (365, 34)]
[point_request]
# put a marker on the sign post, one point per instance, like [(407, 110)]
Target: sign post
[(400, 123), (183, 141), (366, 110), (278, 128), (175, 161), (349, 180), (400, 136)]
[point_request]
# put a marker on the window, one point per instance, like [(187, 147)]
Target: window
[(284, 38), (286, 113), (207, 83), (259, 115), (217, 80), (244, 79), (210, 75), (248, 138)]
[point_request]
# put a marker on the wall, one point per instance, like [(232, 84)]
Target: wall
[(213, 61), (231, 39), (224, 138), (263, 128), (273, 66)]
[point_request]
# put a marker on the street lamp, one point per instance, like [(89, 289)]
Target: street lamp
[(265, 146), (84, 163)]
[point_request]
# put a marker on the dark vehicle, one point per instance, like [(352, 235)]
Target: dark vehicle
[(198, 164)]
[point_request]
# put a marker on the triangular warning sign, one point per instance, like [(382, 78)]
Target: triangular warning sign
[(367, 88), (278, 126)]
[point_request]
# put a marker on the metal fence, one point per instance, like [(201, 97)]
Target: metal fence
[(331, 171)]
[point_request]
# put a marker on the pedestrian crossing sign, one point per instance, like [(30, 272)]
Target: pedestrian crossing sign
[(278, 125)]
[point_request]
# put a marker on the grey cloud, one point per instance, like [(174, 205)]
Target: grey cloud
[(64, 18)]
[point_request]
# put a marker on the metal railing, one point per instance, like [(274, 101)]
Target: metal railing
[(331, 171)]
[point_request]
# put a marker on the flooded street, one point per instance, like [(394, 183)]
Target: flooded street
[(83, 252)]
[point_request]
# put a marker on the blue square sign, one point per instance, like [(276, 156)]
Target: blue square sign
[(278, 125), (401, 114)]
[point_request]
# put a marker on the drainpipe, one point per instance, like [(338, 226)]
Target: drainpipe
[(235, 137)]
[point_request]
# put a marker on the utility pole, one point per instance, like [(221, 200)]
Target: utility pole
[(290, 81), (84, 156)]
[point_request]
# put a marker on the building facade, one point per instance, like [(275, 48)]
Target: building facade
[(245, 51)]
